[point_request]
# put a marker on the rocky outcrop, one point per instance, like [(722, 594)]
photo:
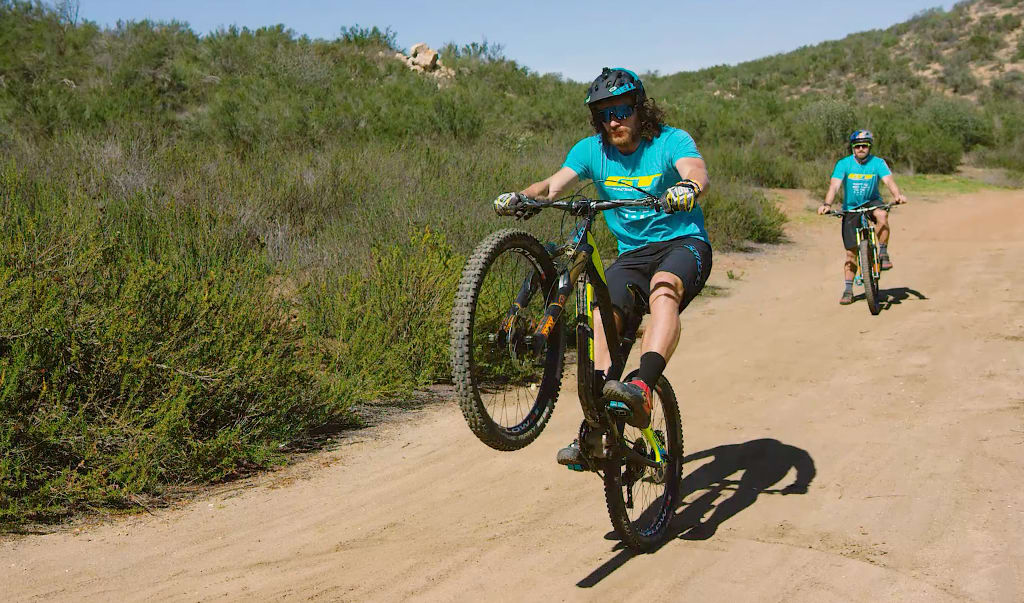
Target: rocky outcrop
[(425, 59)]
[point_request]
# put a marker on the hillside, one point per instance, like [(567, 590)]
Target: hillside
[(974, 50), (933, 88)]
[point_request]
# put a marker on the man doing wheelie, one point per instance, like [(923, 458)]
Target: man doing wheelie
[(664, 252), (858, 173)]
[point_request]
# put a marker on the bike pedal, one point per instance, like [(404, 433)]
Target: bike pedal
[(619, 409)]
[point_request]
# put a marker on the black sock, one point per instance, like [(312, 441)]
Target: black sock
[(848, 286), (652, 365), (883, 248)]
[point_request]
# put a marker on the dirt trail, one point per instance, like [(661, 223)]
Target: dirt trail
[(911, 423)]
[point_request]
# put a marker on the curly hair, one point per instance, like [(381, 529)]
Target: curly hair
[(651, 118)]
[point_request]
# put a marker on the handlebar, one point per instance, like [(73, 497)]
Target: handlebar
[(860, 210), (582, 206)]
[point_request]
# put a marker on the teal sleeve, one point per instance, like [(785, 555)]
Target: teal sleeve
[(578, 160), (680, 144)]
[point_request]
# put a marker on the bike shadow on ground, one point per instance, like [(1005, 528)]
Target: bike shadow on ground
[(893, 297), (761, 464)]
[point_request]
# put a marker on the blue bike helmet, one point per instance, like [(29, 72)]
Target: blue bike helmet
[(861, 137), (615, 81)]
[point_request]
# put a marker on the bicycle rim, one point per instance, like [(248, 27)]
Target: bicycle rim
[(506, 390), (642, 500)]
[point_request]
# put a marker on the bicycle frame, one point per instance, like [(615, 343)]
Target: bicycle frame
[(865, 231), (584, 260), (872, 237)]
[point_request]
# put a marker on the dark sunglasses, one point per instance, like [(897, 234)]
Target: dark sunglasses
[(616, 112), (862, 146)]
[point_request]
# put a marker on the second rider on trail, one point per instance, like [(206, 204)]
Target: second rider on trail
[(858, 173), (666, 253)]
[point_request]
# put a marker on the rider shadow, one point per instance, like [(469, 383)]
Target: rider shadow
[(763, 464), (893, 297)]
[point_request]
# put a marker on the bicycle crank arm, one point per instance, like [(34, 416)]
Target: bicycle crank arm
[(632, 455)]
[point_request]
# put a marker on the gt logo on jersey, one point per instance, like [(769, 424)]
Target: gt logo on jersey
[(630, 181), (860, 176)]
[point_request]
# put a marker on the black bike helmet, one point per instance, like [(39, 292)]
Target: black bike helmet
[(615, 81), (861, 137)]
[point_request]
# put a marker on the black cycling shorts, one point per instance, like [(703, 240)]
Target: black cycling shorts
[(851, 222), (686, 257)]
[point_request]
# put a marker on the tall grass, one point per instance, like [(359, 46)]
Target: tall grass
[(125, 366)]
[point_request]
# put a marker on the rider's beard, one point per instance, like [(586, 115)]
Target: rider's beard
[(622, 136)]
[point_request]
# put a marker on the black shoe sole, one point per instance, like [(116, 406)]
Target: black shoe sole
[(624, 414)]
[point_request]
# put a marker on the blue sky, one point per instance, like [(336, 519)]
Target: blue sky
[(572, 37)]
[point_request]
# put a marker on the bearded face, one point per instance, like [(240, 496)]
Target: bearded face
[(623, 132)]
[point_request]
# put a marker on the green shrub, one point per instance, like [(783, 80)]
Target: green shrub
[(1009, 85), (958, 119), (933, 152), (1009, 22), (370, 37), (957, 75), (981, 46), (898, 74), (120, 374), (737, 215), (384, 330), (823, 125), (763, 165), (1008, 152)]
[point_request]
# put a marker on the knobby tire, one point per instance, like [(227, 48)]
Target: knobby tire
[(506, 401)]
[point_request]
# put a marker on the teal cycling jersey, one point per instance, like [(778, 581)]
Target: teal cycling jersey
[(651, 167), (860, 180)]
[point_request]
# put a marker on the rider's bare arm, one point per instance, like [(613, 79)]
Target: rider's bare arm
[(897, 196), (693, 168), (830, 196), (552, 186)]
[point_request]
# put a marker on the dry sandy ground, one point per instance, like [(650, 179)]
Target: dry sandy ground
[(910, 424)]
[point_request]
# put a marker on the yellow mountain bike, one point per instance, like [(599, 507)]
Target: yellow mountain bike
[(508, 353), (869, 269)]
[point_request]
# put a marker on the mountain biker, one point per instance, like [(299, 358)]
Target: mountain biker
[(664, 251), (859, 174)]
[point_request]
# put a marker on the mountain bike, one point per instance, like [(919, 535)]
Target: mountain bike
[(869, 269), (508, 348)]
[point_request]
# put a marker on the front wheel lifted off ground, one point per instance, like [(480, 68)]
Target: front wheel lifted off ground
[(507, 385)]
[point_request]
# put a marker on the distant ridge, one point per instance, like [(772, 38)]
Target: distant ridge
[(975, 47)]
